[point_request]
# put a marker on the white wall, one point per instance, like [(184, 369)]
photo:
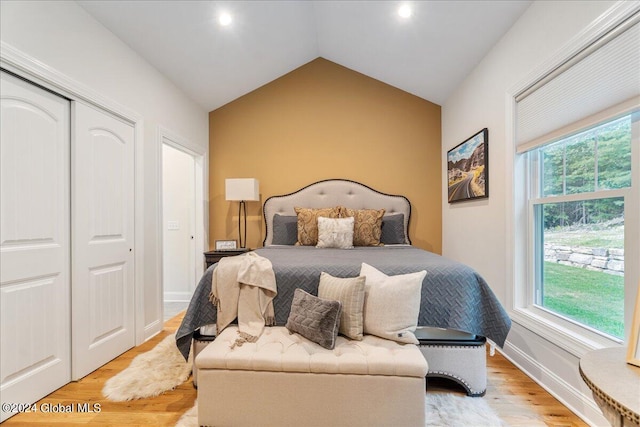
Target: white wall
[(478, 233), (63, 36)]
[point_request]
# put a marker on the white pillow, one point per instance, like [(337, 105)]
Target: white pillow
[(335, 233), (392, 304)]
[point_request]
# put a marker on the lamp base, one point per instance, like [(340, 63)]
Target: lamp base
[(242, 213)]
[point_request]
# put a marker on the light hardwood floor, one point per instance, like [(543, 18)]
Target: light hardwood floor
[(516, 398)]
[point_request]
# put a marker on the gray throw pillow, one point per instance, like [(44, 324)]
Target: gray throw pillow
[(393, 229), (314, 318), (285, 229)]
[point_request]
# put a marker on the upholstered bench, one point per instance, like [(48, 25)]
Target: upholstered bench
[(284, 379), (455, 355)]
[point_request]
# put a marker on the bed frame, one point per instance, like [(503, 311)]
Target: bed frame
[(453, 295), (335, 192)]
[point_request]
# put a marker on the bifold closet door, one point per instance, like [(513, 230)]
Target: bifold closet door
[(102, 201), (35, 331)]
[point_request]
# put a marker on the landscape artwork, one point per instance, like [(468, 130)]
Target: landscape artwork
[(468, 168)]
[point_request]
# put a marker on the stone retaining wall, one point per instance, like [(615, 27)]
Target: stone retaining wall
[(609, 261)]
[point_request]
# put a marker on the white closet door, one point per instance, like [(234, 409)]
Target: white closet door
[(103, 237), (35, 351)]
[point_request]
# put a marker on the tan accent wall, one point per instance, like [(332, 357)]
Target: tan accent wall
[(324, 121)]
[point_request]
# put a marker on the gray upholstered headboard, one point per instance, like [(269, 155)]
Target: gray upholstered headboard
[(335, 192)]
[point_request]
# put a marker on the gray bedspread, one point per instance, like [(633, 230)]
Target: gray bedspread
[(453, 294)]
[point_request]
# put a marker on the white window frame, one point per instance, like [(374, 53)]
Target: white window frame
[(574, 337), (571, 336), (533, 245)]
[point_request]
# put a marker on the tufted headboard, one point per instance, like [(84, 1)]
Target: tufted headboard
[(335, 192)]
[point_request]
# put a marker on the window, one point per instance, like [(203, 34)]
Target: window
[(577, 193), (579, 225)]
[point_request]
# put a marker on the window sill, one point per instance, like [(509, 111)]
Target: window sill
[(571, 337)]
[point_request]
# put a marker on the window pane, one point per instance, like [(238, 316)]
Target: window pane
[(553, 170), (574, 164), (581, 163), (583, 268), (614, 155)]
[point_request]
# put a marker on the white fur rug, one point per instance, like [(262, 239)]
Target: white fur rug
[(441, 410), (149, 374), (453, 410)]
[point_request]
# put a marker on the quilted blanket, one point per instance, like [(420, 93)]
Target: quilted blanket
[(453, 294)]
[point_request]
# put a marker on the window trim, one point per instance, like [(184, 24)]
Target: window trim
[(570, 335), (516, 227), (575, 339), (592, 195), (516, 167)]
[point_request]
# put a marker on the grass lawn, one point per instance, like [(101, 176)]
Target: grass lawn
[(592, 236), (589, 297)]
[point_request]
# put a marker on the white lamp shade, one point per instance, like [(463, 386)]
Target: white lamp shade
[(237, 189)]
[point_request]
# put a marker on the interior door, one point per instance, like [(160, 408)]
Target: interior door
[(35, 351), (103, 238), (179, 221)]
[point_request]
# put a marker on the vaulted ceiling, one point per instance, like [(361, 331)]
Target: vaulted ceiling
[(427, 54)]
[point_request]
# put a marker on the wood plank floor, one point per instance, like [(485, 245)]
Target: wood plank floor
[(516, 398)]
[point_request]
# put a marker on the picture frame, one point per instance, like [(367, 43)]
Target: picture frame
[(468, 169), (633, 350), (226, 245)]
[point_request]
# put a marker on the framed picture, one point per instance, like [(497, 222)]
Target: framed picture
[(226, 245), (633, 351), (468, 168)]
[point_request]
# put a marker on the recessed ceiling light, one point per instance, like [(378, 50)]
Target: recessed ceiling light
[(224, 19), (405, 11)]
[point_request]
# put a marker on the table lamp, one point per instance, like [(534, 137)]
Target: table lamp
[(242, 190)]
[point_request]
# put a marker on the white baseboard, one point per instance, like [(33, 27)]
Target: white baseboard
[(177, 296), (152, 329), (568, 395)]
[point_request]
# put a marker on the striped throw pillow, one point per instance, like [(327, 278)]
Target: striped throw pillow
[(350, 292)]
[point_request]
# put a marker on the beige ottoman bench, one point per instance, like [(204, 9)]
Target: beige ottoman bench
[(286, 380)]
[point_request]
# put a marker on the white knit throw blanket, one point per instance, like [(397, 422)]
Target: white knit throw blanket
[(244, 286)]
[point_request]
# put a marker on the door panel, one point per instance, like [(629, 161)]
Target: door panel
[(103, 237), (35, 355), (106, 289)]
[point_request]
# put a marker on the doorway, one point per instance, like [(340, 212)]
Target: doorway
[(182, 226)]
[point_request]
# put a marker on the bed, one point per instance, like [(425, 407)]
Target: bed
[(453, 294)]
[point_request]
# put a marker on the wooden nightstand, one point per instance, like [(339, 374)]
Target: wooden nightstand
[(212, 257)]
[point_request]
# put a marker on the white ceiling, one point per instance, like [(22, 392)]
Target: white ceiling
[(428, 54)]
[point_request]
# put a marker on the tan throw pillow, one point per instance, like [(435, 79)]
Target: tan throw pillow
[(350, 293), (367, 227), (392, 304), (335, 233), (308, 223)]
